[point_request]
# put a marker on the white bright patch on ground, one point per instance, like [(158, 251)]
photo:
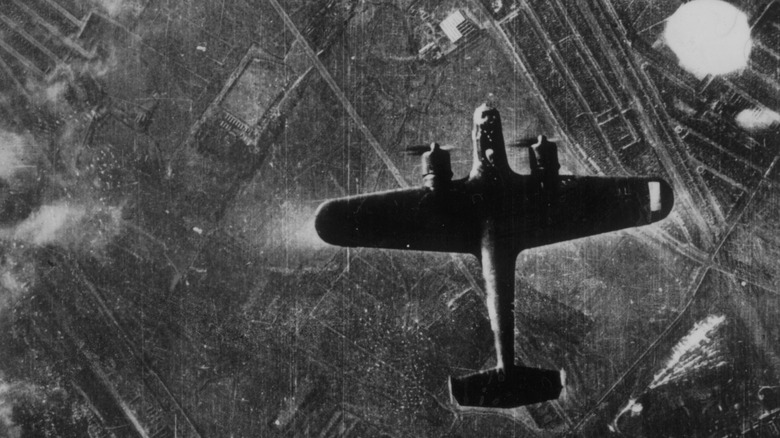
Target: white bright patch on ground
[(709, 37), (700, 350), (757, 119), (696, 350), (116, 7), (632, 406)]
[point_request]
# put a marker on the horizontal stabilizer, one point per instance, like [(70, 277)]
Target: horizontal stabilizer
[(509, 388)]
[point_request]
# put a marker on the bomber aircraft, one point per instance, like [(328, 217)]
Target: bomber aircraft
[(494, 214)]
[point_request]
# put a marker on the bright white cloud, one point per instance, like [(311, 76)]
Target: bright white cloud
[(757, 119), (709, 37)]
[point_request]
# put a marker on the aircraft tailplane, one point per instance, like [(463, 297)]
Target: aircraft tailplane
[(506, 388)]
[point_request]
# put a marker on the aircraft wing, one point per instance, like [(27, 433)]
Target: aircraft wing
[(407, 219), (524, 213), (582, 206)]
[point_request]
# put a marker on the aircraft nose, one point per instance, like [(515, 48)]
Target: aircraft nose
[(661, 199)]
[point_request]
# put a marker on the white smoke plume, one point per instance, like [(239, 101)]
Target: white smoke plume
[(49, 224), (80, 227), (50, 93), (700, 349)]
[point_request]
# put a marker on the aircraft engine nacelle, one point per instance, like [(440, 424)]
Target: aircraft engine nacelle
[(543, 158), (436, 167)]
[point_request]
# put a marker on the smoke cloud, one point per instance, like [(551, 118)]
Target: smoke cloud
[(700, 349), (709, 37), (49, 224), (13, 150), (757, 119), (80, 227)]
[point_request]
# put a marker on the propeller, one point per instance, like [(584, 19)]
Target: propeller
[(527, 142), (420, 149)]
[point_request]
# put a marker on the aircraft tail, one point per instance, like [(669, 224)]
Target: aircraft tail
[(507, 388)]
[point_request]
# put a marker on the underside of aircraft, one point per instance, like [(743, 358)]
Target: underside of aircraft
[(494, 214)]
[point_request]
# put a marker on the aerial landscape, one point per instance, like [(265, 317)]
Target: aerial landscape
[(161, 162)]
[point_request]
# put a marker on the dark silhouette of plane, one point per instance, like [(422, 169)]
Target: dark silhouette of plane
[(495, 214)]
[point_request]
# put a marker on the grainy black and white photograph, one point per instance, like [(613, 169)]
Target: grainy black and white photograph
[(389, 218)]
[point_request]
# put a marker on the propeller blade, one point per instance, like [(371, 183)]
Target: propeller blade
[(527, 142), (417, 149), (420, 149)]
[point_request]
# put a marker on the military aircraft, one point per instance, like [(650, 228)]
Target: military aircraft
[(495, 214)]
